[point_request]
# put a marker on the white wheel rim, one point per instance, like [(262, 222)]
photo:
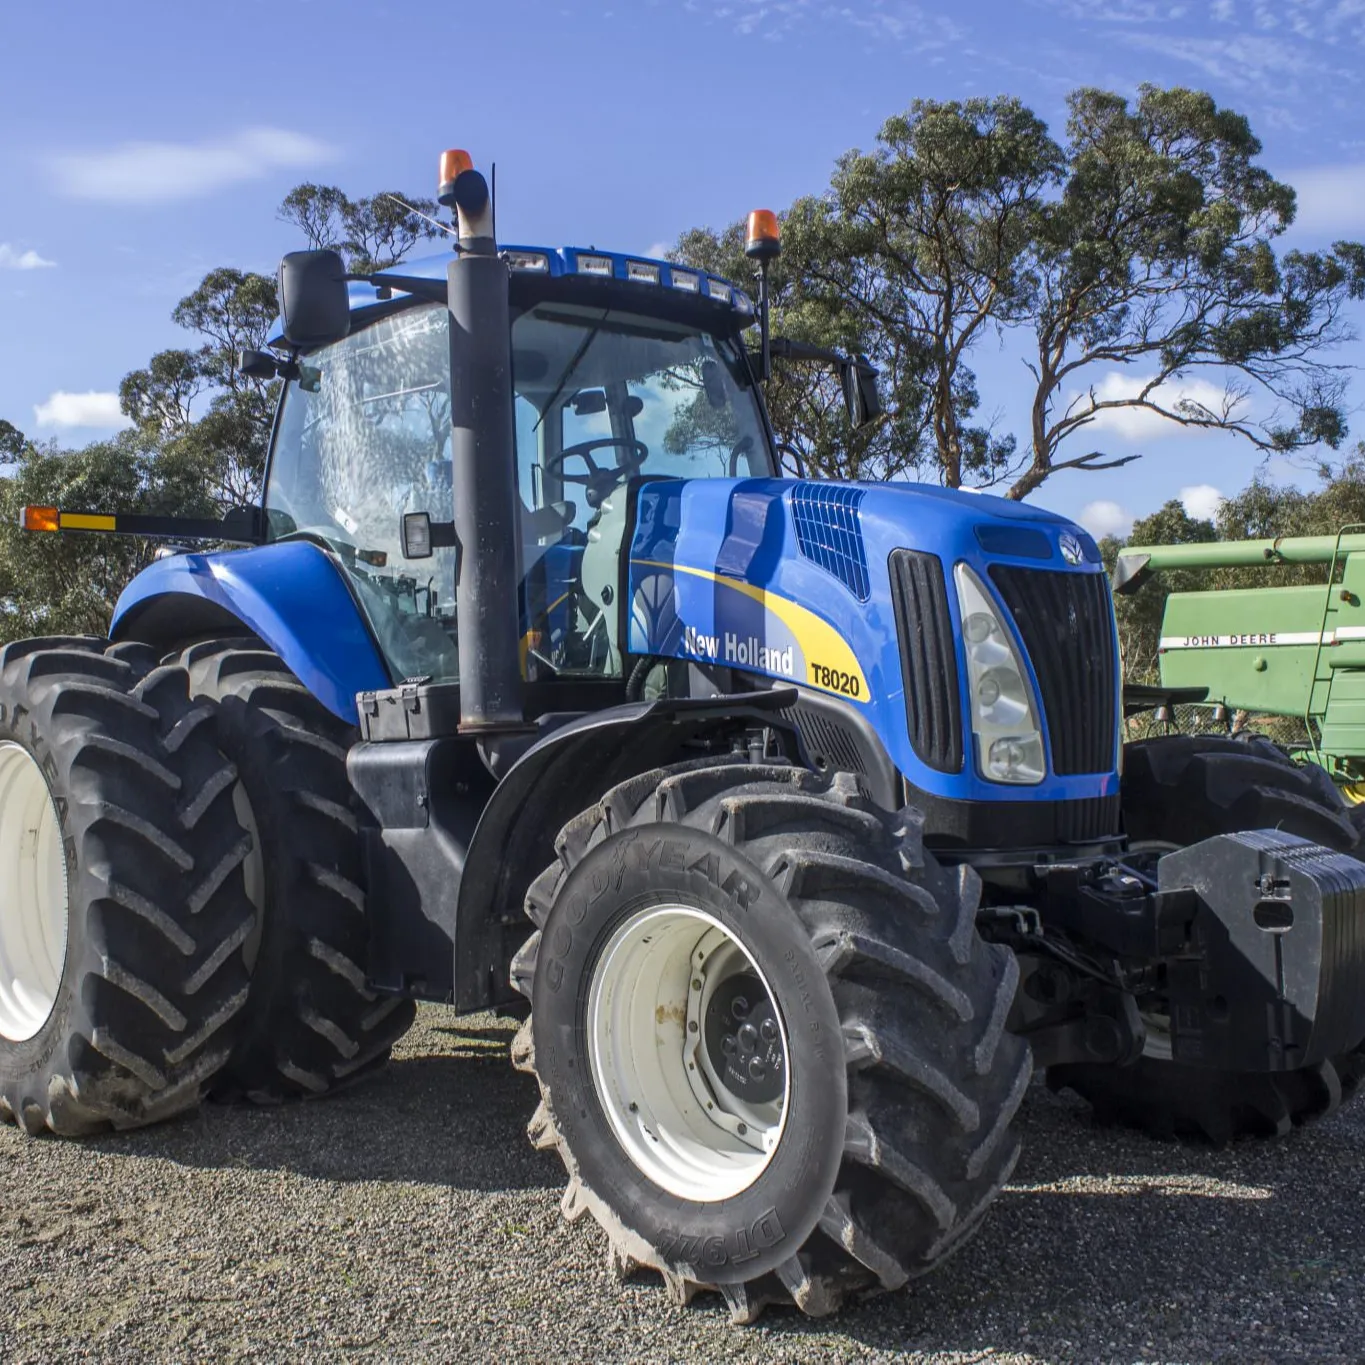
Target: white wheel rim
[(662, 1092), (33, 896)]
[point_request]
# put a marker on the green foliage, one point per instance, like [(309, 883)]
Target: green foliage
[(804, 399), (226, 442), (371, 234), (68, 584), (1144, 245), (200, 434), (1159, 255)]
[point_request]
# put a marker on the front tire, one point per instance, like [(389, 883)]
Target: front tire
[(1178, 790), (123, 912), (857, 964)]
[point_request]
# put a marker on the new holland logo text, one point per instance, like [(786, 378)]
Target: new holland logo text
[(745, 652)]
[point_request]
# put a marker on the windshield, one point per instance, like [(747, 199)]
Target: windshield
[(604, 397)]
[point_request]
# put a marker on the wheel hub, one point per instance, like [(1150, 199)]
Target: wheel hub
[(688, 1053), (744, 1041), (33, 896)]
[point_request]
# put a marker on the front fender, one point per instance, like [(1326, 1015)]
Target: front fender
[(565, 772), (291, 595)]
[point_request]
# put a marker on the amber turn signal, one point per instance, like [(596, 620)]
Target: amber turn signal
[(40, 519)]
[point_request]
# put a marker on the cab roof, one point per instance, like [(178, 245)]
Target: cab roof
[(569, 262)]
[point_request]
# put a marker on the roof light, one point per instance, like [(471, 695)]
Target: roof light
[(642, 272), (594, 265), (763, 238), (454, 163), (40, 519), (719, 290), (536, 261), (685, 280)]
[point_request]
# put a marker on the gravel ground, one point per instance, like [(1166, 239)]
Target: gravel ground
[(411, 1219)]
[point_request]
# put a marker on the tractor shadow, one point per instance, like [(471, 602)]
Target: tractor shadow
[(449, 1110), (1107, 1244)]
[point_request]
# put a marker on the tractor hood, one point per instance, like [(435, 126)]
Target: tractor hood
[(793, 580)]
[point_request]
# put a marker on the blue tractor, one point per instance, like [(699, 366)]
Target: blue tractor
[(811, 791)]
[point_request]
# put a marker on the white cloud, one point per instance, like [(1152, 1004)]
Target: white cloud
[(657, 251), (90, 409), (11, 258), (904, 23), (1141, 424), (1331, 198), (1106, 519), (157, 172), (1202, 500)]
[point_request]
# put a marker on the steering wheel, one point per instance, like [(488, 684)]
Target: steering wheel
[(597, 481)]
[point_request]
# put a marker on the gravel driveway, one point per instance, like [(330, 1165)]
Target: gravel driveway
[(412, 1219)]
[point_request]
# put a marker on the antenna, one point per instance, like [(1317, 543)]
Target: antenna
[(493, 192), (425, 217)]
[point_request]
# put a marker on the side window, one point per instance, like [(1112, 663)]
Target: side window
[(697, 420), (530, 475)]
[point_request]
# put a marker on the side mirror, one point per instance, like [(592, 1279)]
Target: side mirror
[(861, 399), (315, 304), (417, 535), (421, 537), (257, 364), (713, 384), (589, 402)]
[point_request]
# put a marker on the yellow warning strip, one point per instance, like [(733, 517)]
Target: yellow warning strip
[(87, 521)]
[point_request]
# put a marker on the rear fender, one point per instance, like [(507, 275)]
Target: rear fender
[(564, 773), (290, 595)]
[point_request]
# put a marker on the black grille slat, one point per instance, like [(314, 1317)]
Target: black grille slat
[(1065, 621), (1092, 817), (933, 702)]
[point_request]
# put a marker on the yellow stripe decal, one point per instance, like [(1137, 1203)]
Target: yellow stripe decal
[(831, 664), (83, 521)]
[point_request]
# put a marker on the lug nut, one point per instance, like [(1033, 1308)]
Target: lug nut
[(769, 1030), (728, 1044), (739, 1007), (748, 1039), (757, 1071)]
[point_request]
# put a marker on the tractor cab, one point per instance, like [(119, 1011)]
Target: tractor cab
[(620, 376)]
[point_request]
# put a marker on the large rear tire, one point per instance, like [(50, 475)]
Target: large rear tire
[(312, 1026), (695, 902), (1178, 790), (123, 911)]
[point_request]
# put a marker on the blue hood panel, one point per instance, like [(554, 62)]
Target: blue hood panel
[(292, 596), (791, 579)]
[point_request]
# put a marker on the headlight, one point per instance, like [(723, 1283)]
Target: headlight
[(1004, 713)]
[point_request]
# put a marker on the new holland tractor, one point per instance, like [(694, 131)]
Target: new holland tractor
[(787, 813)]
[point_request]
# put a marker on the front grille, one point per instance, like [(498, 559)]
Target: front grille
[(1066, 623), (933, 703)]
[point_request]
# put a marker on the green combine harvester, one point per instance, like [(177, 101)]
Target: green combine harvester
[(1250, 654)]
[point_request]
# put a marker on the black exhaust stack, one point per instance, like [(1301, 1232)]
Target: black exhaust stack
[(484, 466)]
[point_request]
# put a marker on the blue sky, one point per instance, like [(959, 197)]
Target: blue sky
[(143, 143)]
